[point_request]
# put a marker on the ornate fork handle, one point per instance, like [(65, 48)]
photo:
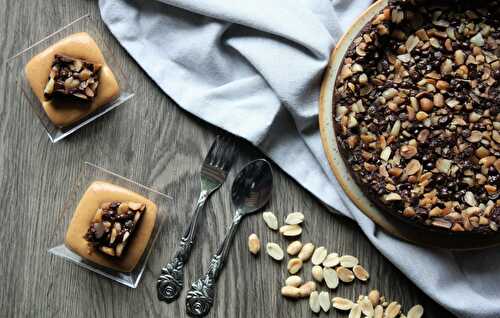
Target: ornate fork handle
[(200, 298), (171, 280)]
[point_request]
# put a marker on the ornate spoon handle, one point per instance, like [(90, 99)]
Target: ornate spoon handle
[(171, 280), (200, 297)]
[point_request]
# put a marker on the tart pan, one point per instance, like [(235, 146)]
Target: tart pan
[(402, 229)]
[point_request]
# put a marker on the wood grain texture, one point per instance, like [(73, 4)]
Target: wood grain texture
[(154, 142)]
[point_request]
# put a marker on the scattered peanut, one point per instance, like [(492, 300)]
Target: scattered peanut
[(345, 274), (294, 281), (331, 278), (348, 261), (342, 303), (361, 273), (319, 255), (331, 260), (317, 273), (291, 230), (253, 244), (314, 302), (324, 301), (294, 218), (270, 220), (294, 248), (294, 265), (275, 251), (306, 252)]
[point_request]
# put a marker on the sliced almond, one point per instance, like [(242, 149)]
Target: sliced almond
[(331, 260), (294, 265), (355, 311), (361, 273), (294, 248), (317, 273), (306, 252), (291, 230), (342, 303), (270, 220), (253, 244), (314, 302), (416, 311), (324, 301), (294, 218), (392, 310), (294, 281), (275, 251), (319, 255), (345, 274), (348, 261), (331, 278)]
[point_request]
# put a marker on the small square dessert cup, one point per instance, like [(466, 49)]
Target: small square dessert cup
[(63, 115), (95, 187)]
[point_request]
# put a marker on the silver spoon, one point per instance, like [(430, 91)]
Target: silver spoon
[(251, 190)]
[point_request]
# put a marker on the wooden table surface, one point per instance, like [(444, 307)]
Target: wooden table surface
[(153, 141)]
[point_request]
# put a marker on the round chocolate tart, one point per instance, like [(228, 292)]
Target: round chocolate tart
[(416, 114)]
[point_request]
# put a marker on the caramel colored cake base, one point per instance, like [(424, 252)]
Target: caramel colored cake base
[(64, 112), (98, 193)]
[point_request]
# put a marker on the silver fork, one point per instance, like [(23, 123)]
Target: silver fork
[(214, 170)]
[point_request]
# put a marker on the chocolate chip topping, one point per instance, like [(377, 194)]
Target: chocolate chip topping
[(113, 225), (72, 77), (418, 112)]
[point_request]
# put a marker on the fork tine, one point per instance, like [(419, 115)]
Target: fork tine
[(229, 156), (221, 153), (214, 148)]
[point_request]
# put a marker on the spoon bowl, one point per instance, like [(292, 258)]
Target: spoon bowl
[(251, 189)]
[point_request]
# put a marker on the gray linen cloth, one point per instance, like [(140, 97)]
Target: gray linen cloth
[(254, 69)]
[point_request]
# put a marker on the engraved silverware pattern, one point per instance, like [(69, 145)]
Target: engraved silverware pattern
[(214, 170), (251, 190)]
